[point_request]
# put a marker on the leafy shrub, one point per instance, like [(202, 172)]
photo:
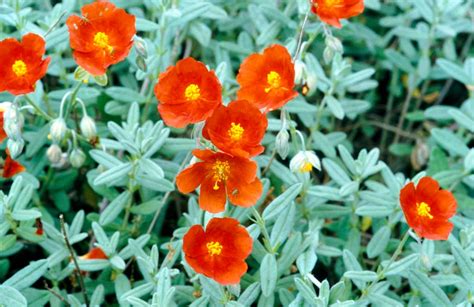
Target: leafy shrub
[(93, 215)]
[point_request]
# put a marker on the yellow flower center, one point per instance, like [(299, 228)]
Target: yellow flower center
[(235, 132), (423, 210), (214, 248), (19, 68), (273, 80), (192, 92), (101, 40), (332, 2), (221, 171), (306, 167)]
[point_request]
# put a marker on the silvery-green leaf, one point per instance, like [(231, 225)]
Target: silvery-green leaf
[(268, 274), (429, 289), (11, 297), (382, 300), (139, 291), (335, 172), (449, 141), (98, 296), (114, 208), (282, 201), (250, 294), (26, 215), (117, 263), (379, 242), (364, 276), (211, 288), (283, 225), (401, 265), (91, 265), (466, 266), (306, 261), (124, 94), (115, 173), (306, 291), (335, 107), (453, 70), (28, 275), (100, 234), (104, 158)]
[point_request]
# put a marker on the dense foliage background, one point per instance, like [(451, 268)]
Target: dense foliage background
[(388, 97)]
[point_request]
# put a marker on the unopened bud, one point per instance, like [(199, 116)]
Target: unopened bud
[(300, 69), (282, 143), (88, 128), (58, 130), (328, 55), (141, 63), (12, 120), (334, 43), (54, 154), (15, 147), (140, 46), (77, 158)]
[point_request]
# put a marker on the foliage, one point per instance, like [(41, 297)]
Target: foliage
[(388, 98)]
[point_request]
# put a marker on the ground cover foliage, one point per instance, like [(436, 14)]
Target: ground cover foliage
[(95, 200)]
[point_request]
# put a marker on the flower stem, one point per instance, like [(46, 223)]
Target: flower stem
[(261, 224), (37, 108), (395, 255)]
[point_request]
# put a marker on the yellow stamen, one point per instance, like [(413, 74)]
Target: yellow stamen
[(192, 92), (332, 2), (214, 248), (273, 80), (101, 40), (235, 132), (306, 167), (423, 210), (19, 68), (221, 172)]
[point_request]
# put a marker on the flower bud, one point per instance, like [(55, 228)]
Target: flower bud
[(140, 46), (15, 147), (58, 130), (328, 55), (311, 83), (282, 143), (334, 43), (54, 154), (88, 128), (304, 161), (12, 120), (77, 158), (300, 69)]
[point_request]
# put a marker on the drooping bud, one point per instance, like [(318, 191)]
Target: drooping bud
[(12, 120), (88, 128), (58, 130), (15, 147), (300, 71), (77, 158), (54, 154), (140, 46), (334, 43), (282, 143), (311, 83), (304, 161)]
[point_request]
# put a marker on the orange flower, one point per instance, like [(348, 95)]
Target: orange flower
[(330, 11), (101, 37), (187, 93), (11, 167), (220, 251), (237, 129), (22, 63), (427, 209), (267, 80), (219, 175), (94, 253)]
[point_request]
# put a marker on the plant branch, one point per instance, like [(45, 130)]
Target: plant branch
[(74, 259)]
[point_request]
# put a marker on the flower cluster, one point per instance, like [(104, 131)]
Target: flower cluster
[(189, 93)]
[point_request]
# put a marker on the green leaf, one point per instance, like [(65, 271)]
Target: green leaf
[(399, 60), (125, 94), (114, 208), (306, 291), (11, 297), (25, 215), (268, 274), (364, 276), (28, 275), (450, 142), (306, 262), (453, 70), (148, 207), (282, 201), (466, 266), (335, 107), (336, 172), (250, 294), (379, 242), (112, 175), (429, 289)]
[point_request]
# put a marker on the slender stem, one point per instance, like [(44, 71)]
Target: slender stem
[(59, 296), (167, 195), (51, 28), (267, 168), (300, 36), (37, 108), (74, 259), (406, 105), (73, 99), (261, 223), (395, 255)]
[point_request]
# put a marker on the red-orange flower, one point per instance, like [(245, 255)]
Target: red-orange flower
[(11, 167), (267, 80), (220, 251), (237, 129), (101, 37), (22, 63), (94, 253), (221, 175), (427, 208), (187, 93), (330, 11)]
